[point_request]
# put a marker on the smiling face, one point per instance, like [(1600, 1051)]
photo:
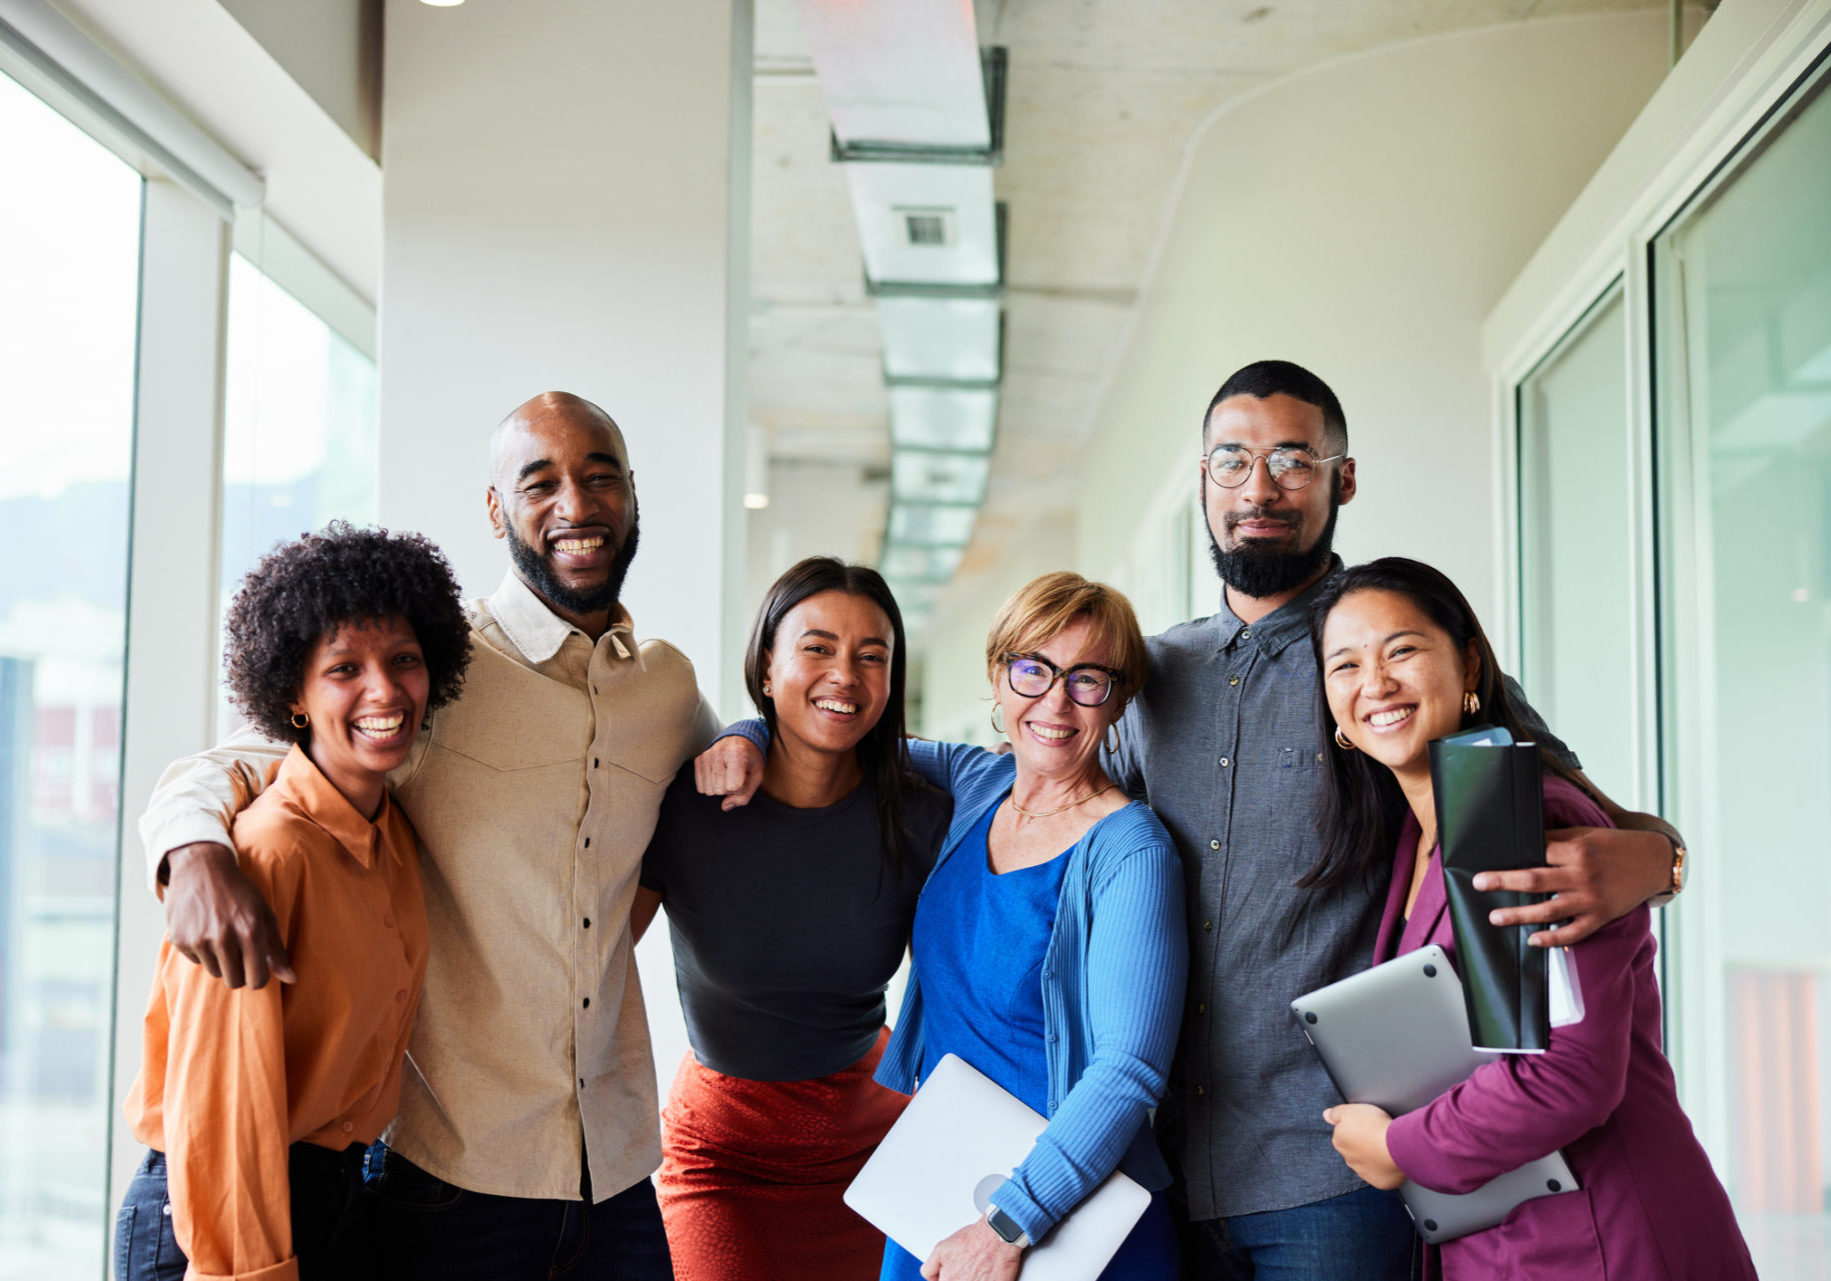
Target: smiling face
[(563, 495), (828, 672), (364, 689), (1053, 736), (1269, 540), (1394, 678)]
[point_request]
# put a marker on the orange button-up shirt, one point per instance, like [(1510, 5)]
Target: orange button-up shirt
[(232, 1077)]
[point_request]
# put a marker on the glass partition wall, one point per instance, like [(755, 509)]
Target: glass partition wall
[(1577, 577), (1730, 678), (70, 260), (1742, 350)]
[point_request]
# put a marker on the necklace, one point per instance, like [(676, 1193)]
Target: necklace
[(1060, 808)]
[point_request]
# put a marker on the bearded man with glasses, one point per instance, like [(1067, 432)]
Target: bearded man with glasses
[(1226, 741)]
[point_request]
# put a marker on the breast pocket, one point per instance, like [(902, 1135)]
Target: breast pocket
[(511, 718)]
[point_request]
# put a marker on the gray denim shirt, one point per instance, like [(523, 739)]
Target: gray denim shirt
[(1225, 741)]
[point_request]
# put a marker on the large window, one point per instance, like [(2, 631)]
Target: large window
[(1743, 348), (69, 259), (1576, 570), (299, 431)]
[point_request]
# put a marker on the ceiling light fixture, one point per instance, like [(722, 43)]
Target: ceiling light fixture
[(443, 4)]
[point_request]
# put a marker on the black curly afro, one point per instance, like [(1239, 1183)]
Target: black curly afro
[(305, 590)]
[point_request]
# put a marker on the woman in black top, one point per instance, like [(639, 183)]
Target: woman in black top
[(789, 917)]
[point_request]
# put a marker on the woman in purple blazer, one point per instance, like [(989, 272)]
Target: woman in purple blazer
[(1403, 662)]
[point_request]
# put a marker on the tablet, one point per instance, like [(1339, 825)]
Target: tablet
[(1397, 1036), (956, 1142)]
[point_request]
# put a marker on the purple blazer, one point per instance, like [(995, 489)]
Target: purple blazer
[(1650, 1206)]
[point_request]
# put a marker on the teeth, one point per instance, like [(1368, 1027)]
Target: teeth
[(1381, 719), (834, 705), (380, 726), (578, 544), (1044, 731)]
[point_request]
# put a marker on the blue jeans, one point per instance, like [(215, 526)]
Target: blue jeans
[(327, 1229), (426, 1228), (1365, 1235)]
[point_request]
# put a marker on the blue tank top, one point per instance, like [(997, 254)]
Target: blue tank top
[(978, 945)]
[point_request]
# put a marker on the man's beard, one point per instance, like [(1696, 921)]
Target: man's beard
[(537, 573), (1258, 571)]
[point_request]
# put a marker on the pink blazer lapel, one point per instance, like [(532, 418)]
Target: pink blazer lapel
[(1403, 860), (1429, 921)]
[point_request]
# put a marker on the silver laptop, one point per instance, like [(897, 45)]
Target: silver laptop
[(1397, 1036), (956, 1142)]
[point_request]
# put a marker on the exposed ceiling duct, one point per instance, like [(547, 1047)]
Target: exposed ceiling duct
[(916, 110)]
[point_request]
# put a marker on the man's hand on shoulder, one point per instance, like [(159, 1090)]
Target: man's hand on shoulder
[(732, 768), (1595, 875), (216, 917)]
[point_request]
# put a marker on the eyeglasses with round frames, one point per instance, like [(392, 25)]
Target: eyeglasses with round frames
[(1088, 684), (1290, 467)]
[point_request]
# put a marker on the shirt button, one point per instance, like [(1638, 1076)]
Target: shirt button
[(1200, 1090), (587, 842), (581, 1083), (587, 922), (401, 995), (388, 920), (1233, 680), (1247, 634), (347, 1127), (1207, 925), (1052, 1038), (588, 1002), (1201, 1008), (594, 762), (1319, 756), (1214, 845), (1225, 762)]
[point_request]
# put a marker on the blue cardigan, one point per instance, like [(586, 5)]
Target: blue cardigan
[(1112, 991)]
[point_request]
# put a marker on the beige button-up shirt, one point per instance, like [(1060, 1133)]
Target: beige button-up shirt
[(534, 796)]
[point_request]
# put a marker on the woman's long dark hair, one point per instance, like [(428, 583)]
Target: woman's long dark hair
[(1363, 807), (883, 753)]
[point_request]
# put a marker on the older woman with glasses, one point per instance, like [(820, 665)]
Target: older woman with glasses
[(1049, 944)]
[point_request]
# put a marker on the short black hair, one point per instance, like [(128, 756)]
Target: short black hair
[(1265, 378), (305, 590)]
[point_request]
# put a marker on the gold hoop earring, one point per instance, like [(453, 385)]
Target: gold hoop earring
[(1112, 739), (300, 720), (1341, 740), (997, 724), (1471, 702)]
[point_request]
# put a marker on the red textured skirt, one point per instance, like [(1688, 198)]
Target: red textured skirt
[(752, 1173)]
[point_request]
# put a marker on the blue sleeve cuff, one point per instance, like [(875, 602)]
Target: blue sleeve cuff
[(1028, 1215), (753, 728)]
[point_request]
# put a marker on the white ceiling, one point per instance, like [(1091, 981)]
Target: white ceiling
[(1103, 98)]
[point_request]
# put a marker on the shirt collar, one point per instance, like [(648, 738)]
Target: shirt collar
[(301, 782), (1279, 628), (534, 629)]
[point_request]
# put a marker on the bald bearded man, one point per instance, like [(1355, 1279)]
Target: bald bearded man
[(527, 1129)]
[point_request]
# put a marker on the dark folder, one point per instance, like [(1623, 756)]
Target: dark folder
[(1490, 818)]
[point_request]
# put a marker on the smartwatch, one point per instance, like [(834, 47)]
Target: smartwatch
[(1006, 1228)]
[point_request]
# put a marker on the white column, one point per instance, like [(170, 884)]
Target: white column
[(172, 633), (565, 206)]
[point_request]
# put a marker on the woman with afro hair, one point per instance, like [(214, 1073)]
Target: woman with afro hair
[(256, 1104)]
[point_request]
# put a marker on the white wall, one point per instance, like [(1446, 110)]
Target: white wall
[(565, 207), (1361, 218)]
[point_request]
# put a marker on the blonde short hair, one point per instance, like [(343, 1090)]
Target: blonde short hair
[(1046, 607)]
